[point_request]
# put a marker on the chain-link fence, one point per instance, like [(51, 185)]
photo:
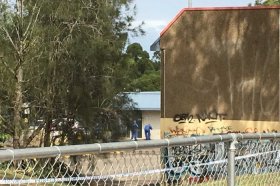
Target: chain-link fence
[(232, 159)]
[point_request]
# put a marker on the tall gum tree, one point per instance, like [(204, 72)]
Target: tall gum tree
[(70, 49), (17, 35), (81, 41)]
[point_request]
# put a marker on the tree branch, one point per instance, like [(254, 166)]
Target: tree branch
[(7, 66), (28, 30)]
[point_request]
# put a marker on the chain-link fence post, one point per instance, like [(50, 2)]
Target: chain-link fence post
[(231, 162)]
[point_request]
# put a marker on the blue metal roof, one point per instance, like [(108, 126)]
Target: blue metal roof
[(146, 100)]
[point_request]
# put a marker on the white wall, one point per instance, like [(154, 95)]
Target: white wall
[(152, 117)]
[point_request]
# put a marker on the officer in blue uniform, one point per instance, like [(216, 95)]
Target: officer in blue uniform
[(147, 130)]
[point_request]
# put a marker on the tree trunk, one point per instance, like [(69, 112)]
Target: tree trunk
[(18, 108), (35, 133), (47, 136)]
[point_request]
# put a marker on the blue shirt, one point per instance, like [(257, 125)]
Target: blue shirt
[(148, 127)]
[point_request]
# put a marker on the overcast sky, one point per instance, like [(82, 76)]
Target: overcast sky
[(156, 14)]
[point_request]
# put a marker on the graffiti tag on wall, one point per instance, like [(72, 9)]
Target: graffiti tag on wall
[(177, 131), (209, 117), (185, 132), (213, 122)]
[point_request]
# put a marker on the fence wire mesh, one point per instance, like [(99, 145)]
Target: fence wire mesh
[(257, 162)]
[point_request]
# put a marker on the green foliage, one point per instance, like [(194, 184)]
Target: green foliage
[(73, 65), (72, 61), (156, 60), (147, 82), (4, 137), (267, 2), (143, 74)]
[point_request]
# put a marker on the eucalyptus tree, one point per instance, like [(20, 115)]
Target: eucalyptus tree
[(142, 73), (83, 42), (61, 58), (17, 41)]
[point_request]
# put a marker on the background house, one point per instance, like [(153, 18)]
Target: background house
[(149, 105)]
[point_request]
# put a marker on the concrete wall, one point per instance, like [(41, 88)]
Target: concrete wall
[(221, 62), (152, 117)]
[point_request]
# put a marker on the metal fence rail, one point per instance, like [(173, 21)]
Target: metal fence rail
[(231, 159)]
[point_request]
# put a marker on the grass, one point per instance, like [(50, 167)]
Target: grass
[(268, 179)]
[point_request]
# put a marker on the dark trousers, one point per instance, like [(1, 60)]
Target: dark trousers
[(134, 135), (148, 134)]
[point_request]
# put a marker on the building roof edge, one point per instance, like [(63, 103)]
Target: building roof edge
[(214, 9)]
